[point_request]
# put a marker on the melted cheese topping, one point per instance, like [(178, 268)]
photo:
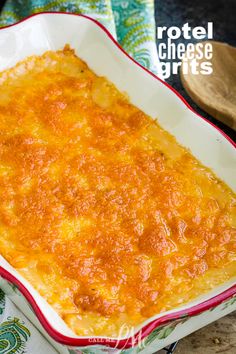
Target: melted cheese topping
[(106, 215)]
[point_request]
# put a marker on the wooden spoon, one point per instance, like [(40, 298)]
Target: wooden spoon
[(215, 93)]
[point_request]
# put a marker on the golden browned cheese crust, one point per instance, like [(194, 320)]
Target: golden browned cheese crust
[(101, 210)]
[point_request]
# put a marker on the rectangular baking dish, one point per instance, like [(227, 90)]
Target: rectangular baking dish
[(92, 42)]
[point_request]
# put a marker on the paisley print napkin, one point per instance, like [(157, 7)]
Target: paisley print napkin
[(131, 22), (17, 334)]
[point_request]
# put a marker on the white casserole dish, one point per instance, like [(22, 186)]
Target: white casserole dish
[(51, 31)]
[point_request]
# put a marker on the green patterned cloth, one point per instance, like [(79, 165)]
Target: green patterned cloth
[(17, 334), (131, 22)]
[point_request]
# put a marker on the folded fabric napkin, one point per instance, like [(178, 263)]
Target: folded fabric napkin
[(17, 334), (132, 23)]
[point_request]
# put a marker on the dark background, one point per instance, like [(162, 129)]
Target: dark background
[(197, 13)]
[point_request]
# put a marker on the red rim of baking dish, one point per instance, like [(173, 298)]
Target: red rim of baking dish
[(148, 328)]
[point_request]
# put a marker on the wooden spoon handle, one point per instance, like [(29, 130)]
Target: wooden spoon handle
[(215, 93)]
